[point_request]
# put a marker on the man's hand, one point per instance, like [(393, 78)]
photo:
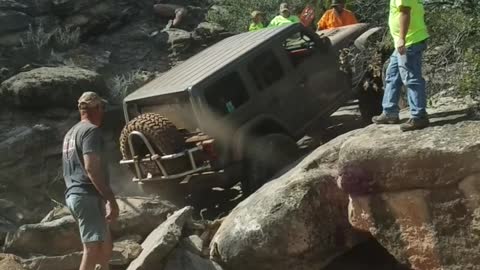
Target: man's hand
[(401, 46), (111, 208)]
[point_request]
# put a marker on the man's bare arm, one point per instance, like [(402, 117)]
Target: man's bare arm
[(404, 21), (405, 13), (95, 173)]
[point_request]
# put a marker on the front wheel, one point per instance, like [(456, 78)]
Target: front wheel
[(265, 157)]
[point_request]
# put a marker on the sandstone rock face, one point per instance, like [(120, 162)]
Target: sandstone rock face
[(125, 250), (66, 262), (13, 21), (140, 215), (193, 244), (418, 193), (27, 151), (58, 237), (185, 260), (10, 262), (297, 221), (50, 87), (435, 157), (161, 241), (425, 229)]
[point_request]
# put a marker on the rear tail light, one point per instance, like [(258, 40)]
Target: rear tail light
[(208, 147)]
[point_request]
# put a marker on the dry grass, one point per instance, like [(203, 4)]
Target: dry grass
[(122, 85)]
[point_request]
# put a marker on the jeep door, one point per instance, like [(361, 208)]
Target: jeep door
[(319, 86)]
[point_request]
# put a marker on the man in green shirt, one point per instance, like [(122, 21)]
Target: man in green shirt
[(257, 21), (285, 17), (409, 31)]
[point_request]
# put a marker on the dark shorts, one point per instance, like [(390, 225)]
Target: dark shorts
[(89, 211)]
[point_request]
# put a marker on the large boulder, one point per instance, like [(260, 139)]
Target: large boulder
[(50, 87), (29, 158), (297, 221), (440, 155), (181, 259), (10, 262), (11, 20), (138, 215), (56, 237), (32, 8), (418, 193), (65, 262), (125, 250), (392, 160), (425, 229), (176, 40), (161, 241)]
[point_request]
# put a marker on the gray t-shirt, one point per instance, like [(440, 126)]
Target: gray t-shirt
[(81, 139)]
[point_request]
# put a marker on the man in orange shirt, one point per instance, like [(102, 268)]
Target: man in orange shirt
[(337, 16)]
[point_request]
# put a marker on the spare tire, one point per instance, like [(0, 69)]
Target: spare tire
[(162, 134)]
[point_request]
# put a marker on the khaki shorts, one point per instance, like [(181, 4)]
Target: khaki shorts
[(89, 211)]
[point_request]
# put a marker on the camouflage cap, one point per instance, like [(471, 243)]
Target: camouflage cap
[(284, 7), (256, 13), (90, 100)]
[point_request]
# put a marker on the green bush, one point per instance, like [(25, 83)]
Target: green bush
[(470, 80), (234, 15), (454, 25)]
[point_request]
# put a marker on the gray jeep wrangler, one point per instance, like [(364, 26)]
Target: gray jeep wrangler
[(235, 111)]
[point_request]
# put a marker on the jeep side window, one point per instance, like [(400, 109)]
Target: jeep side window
[(299, 46), (265, 69), (227, 94)]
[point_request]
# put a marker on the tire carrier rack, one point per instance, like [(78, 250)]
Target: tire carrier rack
[(157, 159)]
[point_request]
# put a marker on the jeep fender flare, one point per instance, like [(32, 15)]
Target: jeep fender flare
[(362, 40), (261, 125)]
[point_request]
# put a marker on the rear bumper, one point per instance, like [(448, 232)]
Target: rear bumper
[(188, 165)]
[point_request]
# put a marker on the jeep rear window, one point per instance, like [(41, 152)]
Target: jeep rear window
[(227, 94), (265, 69), (299, 47), (298, 41)]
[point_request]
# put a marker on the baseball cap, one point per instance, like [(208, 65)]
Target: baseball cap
[(337, 2), (90, 100), (255, 13), (284, 7)]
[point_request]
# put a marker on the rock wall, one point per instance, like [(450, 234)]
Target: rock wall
[(21, 19), (418, 193)]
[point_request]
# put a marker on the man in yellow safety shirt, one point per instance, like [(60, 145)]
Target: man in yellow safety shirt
[(409, 31), (285, 17), (257, 21)]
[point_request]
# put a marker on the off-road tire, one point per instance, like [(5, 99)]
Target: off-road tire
[(160, 132), (370, 103), (265, 157)]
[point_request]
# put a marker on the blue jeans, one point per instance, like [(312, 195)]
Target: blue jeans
[(406, 70)]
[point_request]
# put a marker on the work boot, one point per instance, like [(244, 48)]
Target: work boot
[(383, 119), (415, 123)]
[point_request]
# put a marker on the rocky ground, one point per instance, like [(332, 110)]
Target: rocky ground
[(361, 197)]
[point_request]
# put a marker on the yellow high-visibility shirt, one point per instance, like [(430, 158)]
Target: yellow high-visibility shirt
[(280, 20), (255, 26), (417, 31)]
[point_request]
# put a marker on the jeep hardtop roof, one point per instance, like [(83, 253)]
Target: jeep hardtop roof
[(206, 63)]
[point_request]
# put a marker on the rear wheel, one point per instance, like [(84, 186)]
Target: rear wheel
[(265, 157), (162, 135)]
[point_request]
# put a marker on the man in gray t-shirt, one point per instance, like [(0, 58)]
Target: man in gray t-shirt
[(88, 194)]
